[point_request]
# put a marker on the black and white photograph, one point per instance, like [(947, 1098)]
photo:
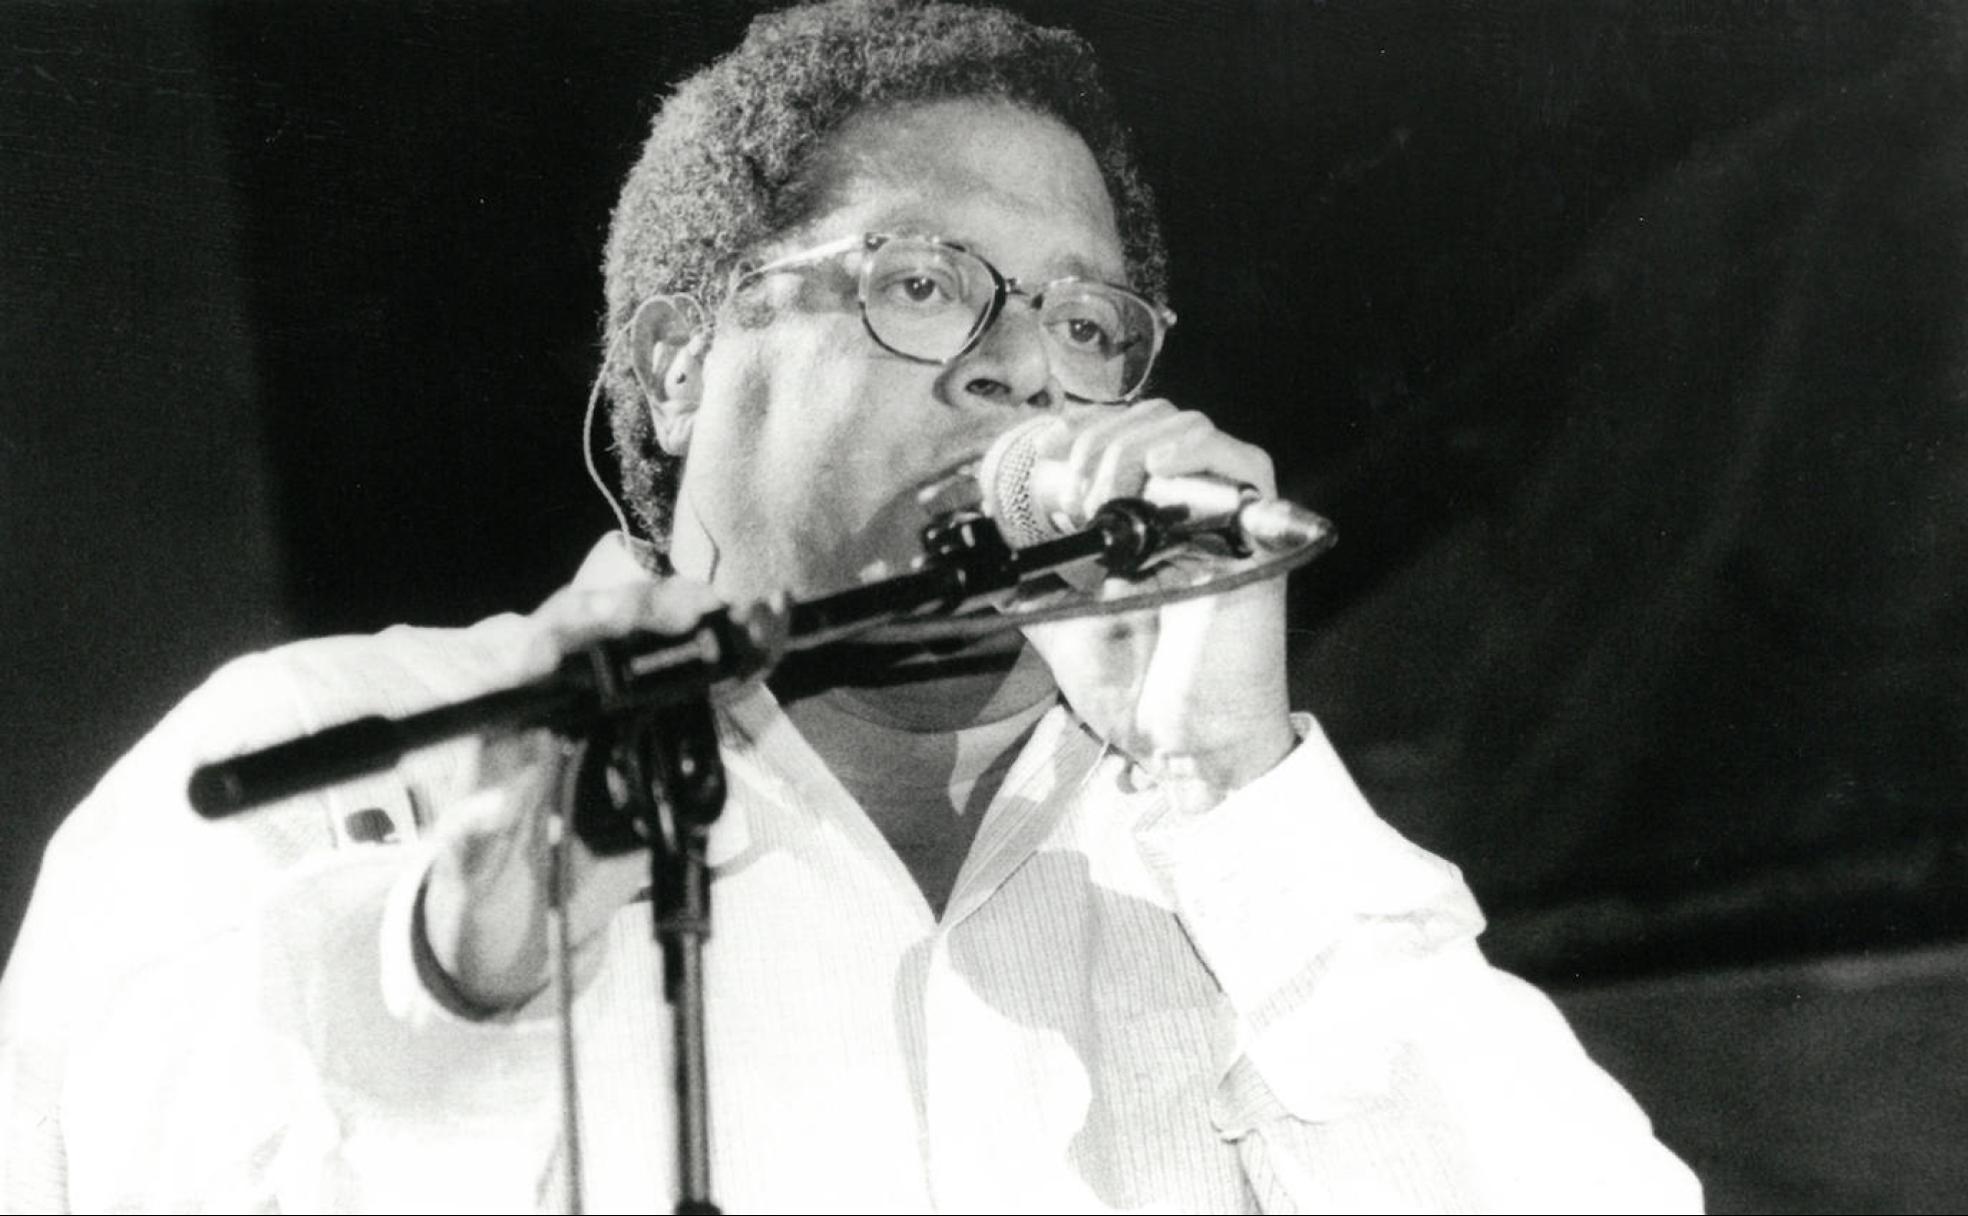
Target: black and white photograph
[(1001, 606)]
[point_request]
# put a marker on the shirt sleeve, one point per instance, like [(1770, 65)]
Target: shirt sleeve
[(131, 876), (308, 1070), (1382, 1063), (126, 993)]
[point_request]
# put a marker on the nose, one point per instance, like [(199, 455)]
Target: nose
[(1009, 365)]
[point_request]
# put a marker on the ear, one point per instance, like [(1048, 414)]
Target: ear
[(667, 343)]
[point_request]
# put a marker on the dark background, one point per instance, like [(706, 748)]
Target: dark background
[(1627, 343)]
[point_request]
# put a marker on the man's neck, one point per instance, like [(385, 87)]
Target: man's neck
[(922, 742), (920, 689)]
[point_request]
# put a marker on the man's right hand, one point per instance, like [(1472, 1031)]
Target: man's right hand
[(484, 903)]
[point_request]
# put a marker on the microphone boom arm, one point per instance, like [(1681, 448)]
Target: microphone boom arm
[(967, 563)]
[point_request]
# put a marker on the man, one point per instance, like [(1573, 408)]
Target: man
[(1083, 921)]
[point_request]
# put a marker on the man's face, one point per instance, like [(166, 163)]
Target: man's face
[(812, 439)]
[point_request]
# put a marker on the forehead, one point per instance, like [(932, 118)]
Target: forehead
[(1020, 187)]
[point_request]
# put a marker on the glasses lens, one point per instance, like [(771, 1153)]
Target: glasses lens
[(1102, 339), (925, 300)]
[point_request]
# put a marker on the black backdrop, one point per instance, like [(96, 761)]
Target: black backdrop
[(1624, 342)]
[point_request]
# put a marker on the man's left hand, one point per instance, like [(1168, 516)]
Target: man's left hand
[(1195, 692)]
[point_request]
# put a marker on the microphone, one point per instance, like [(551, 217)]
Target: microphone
[(1030, 495)]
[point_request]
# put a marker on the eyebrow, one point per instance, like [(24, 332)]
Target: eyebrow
[(1080, 268), (1070, 265)]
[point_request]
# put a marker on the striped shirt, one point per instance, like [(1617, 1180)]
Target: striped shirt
[(1275, 1005)]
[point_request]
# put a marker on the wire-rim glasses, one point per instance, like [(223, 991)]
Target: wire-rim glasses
[(932, 300)]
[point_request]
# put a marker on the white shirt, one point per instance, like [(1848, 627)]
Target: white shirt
[(1276, 1005)]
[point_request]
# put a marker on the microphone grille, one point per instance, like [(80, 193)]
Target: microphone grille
[(1005, 475)]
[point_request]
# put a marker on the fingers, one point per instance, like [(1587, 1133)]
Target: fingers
[(1114, 455), (581, 615), (578, 616), (489, 885), (487, 889), (1216, 454)]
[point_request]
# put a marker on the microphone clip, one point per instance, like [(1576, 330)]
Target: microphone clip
[(968, 544), (972, 550)]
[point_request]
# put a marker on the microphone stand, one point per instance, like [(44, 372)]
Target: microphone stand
[(653, 778), (965, 560), (650, 774)]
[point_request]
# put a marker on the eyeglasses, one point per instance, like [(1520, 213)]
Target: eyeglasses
[(932, 300)]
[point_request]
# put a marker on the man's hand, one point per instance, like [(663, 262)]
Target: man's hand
[(485, 902), (1195, 691)]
